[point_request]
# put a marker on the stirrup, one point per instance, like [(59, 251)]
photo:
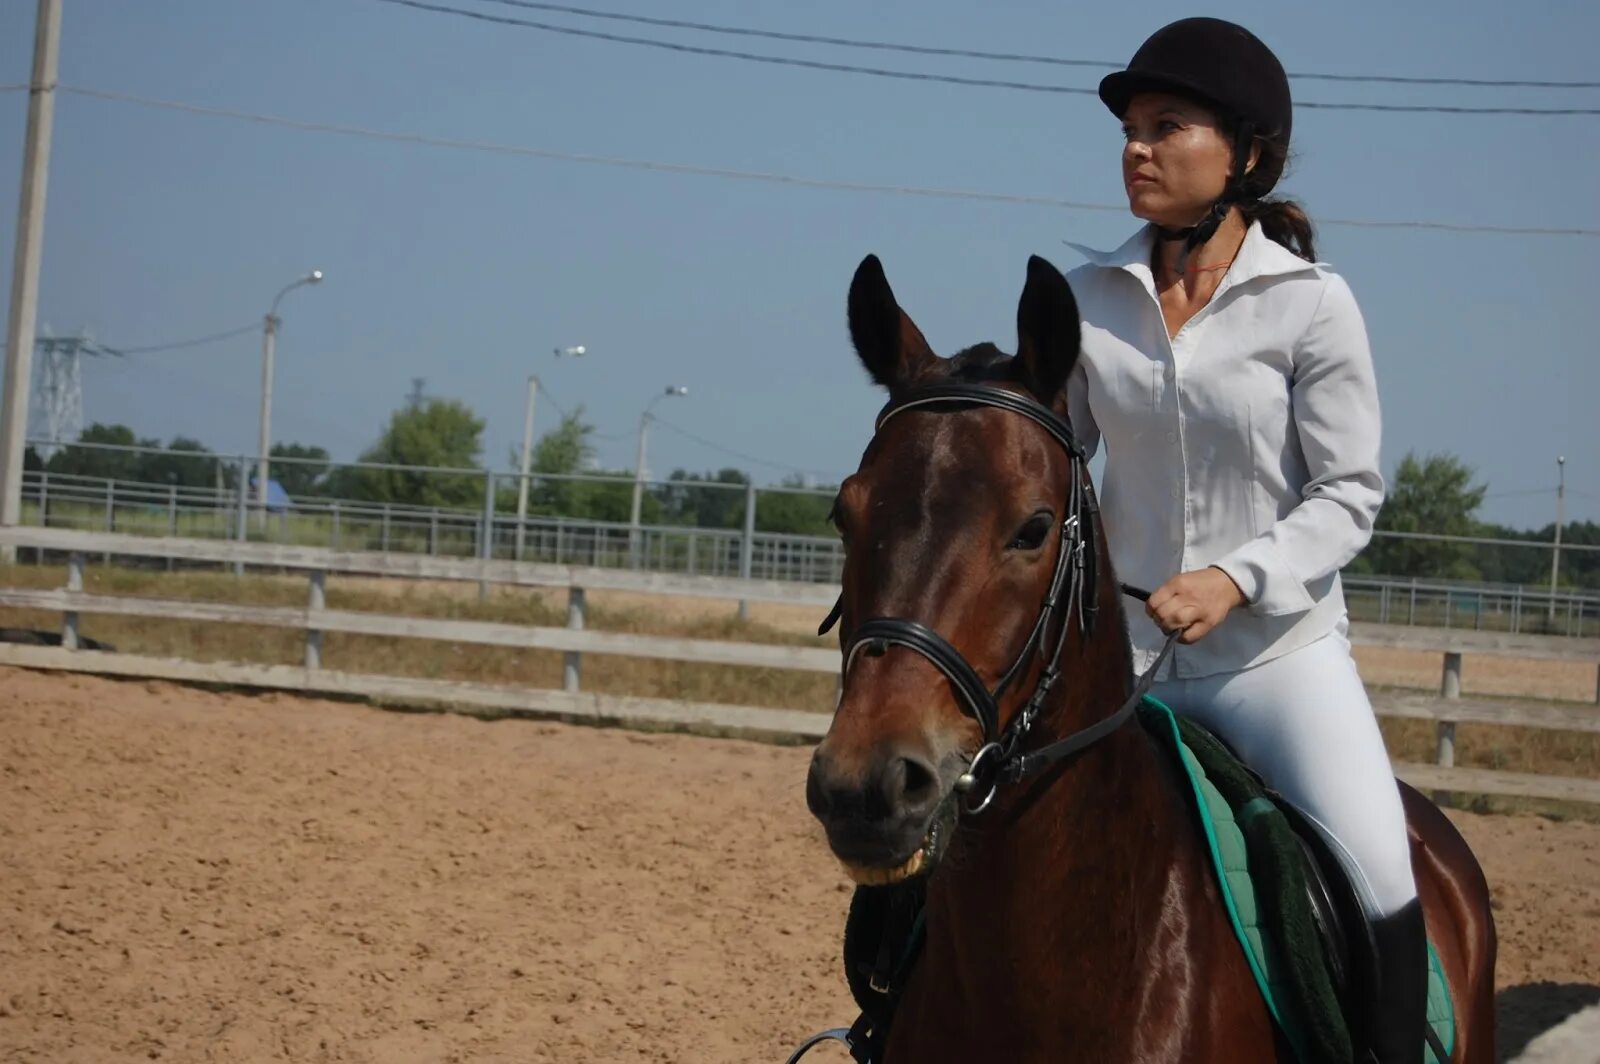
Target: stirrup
[(835, 1034)]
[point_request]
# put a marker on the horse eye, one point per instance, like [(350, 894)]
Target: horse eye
[(1031, 535)]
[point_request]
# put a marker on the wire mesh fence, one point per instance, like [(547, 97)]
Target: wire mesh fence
[(727, 527)]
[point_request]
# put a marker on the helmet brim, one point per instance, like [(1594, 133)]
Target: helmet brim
[(1118, 89)]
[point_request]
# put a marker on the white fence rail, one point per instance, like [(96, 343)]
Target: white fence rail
[(1447, 710)]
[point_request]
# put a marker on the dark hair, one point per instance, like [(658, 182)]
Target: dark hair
[(1283, 220)]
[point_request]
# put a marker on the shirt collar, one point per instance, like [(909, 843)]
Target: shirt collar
[(1259, 256)]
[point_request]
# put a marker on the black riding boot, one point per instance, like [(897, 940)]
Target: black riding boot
[(1398, 1013)]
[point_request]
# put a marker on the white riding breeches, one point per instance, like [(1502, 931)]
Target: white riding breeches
[(1303, 723)]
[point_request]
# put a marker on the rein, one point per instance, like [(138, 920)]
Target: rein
[(1002, 758)]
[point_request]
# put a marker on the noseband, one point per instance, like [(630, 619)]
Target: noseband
[(1072, 593)]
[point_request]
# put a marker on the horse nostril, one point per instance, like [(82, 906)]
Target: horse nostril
[(908, 785)]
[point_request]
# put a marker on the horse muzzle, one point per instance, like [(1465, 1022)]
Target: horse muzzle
[(883, 818)]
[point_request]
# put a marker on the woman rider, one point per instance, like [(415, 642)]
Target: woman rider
[(1229, 376)]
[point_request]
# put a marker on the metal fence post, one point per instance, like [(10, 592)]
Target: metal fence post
[(433, 531), (572, 664), (317, 602), (333, 535), (383, 530), (69, 619), (111, 513), (1450, 689), (747, 546), (241, 528), (486, 531), (44, 502)]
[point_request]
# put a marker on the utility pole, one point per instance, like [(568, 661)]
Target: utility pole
[(269, 335), (527, 460), (25, 267), (672, 390), (527, 444), (1561, 519)]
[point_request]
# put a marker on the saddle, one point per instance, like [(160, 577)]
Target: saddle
[(1293, 908)]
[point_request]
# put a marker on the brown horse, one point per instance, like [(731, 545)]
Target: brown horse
[(1078, 917)]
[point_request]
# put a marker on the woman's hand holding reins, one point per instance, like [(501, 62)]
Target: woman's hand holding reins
[(1194, 603)]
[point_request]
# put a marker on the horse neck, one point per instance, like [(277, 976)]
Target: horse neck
[(1073, 870)]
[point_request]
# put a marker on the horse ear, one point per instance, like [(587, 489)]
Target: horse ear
[(886, 340), (1048, 331)]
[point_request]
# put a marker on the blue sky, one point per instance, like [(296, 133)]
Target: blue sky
[(467, 268)]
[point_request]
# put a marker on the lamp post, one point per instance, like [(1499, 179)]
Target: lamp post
[(638, 469), (1561, 519), (268, 339), (527, 441)]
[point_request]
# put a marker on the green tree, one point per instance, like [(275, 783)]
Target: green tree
[(304, 478), (703, 500), (183, 470), (94, 462), (1433, 494), (434, 433), (566, 449), (796, 512)]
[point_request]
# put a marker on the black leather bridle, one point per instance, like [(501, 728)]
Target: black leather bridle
[(1072, 592)]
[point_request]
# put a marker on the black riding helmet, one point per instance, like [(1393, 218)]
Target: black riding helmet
[(1227, 68)]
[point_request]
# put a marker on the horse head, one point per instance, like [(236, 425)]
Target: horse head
[(956, 521)]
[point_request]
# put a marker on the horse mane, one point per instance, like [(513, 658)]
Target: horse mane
[(980, 362)]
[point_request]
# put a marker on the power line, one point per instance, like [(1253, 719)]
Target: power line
[(755, 175), (549, 396), (1520, 492), (181, 344), (740, 454), (949, 79), (1010, 57)]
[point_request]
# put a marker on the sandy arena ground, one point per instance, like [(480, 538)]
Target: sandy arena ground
[(192, 876)]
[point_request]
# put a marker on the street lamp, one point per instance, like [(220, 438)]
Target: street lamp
[(577, 351), (1561, 519), (268, 338), (638, 469)]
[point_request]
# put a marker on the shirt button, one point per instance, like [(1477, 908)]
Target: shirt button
[(1172, 437), (1177, 492)]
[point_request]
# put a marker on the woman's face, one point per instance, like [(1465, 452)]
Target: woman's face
[(1175, 159)]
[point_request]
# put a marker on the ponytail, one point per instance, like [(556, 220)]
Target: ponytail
[(1285, 222)]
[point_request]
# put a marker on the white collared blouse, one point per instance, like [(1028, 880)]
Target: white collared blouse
[(1248, 441)]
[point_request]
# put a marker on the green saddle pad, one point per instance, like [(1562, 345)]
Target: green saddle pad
[(1260, 871)]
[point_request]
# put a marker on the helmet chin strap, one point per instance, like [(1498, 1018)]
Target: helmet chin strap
[(1196, 235)]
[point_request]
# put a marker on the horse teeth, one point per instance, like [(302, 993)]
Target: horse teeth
[(882, 877)]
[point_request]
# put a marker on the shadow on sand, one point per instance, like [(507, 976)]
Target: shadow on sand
[(1522, 1013)]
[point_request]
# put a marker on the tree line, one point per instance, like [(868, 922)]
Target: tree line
[(446, 434), (1434, 494)]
